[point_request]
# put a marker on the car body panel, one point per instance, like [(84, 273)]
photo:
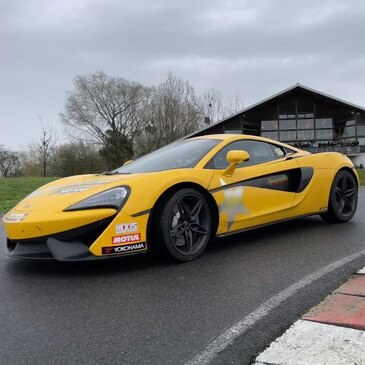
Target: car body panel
[(295, 185), (240, 201), (38, 224)]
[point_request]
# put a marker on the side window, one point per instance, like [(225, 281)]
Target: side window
[(260, 152), (279, 152)]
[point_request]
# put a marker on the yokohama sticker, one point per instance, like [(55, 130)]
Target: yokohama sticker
[(126, 228), (124, 249), (120, 240)]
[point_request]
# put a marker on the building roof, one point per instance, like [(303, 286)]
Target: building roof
[(281, 93)]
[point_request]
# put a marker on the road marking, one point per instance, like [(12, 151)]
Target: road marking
[(227, 337), (315, 343)]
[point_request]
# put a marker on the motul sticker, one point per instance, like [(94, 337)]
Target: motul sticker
[(126, 228), (124, 249), (119, 240)]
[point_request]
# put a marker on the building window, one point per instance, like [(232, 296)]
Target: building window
[(303, 127), (324, 134), (233, 131), (349, 132), (305, 124), (361, 141), (288, 135), (306, 135), (305, 115), (270, 134), (269, 125), (287, 124), (286, 116), (361, 130), (324, 123)]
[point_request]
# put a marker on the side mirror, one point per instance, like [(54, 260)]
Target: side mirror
[(127, 162), (235, 157)]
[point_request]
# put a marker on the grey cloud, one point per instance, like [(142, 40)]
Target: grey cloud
[(255, 47)]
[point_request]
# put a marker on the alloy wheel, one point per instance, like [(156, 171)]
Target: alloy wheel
[(345, 194), (189, 224)]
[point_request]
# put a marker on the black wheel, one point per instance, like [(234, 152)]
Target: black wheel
[(343, 198), (184, 225)]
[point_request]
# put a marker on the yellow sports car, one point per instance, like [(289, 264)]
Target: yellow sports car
[(176, 198)]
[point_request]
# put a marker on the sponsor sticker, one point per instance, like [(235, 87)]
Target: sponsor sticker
[(126, 228), (119, 240), (124, 249)]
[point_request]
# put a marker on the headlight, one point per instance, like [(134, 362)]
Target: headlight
[(113, 198)]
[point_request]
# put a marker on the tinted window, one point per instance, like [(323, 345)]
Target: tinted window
[(181, 154), (260, 152)]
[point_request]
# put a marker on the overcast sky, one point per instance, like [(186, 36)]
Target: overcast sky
[(253, 47)]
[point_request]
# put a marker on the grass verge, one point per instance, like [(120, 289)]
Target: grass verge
[(14, 189)]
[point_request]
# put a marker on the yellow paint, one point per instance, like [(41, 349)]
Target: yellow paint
[(45, 213)]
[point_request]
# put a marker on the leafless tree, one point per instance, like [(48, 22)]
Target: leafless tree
[(125, 119), (29, 161), (216, 108), (234, 105), (212, 106), (101, 106), (174, 112), (9, 162), (46, 143)]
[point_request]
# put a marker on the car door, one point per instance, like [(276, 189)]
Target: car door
[(259, 191)]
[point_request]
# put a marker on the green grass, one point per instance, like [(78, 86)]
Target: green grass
[(14, 189), (362, 176)]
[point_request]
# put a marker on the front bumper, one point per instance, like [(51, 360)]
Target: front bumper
[(51, 250), (72, 245)]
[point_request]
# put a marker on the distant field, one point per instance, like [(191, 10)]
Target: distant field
[(14, 189)]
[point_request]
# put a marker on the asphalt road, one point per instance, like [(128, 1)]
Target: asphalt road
[(143, 310)]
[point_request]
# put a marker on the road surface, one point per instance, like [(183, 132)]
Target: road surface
[(143, 310)]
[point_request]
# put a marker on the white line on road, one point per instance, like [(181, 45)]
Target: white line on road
[(227, 337)]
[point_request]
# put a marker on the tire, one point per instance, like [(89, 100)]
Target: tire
[(343, 198), (184, 225)]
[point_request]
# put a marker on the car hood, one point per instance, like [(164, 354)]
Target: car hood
[(62, 193)]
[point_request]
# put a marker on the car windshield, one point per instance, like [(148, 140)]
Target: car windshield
[(182, 154)]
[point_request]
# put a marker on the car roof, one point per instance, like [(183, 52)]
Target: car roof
[(226, 136)]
